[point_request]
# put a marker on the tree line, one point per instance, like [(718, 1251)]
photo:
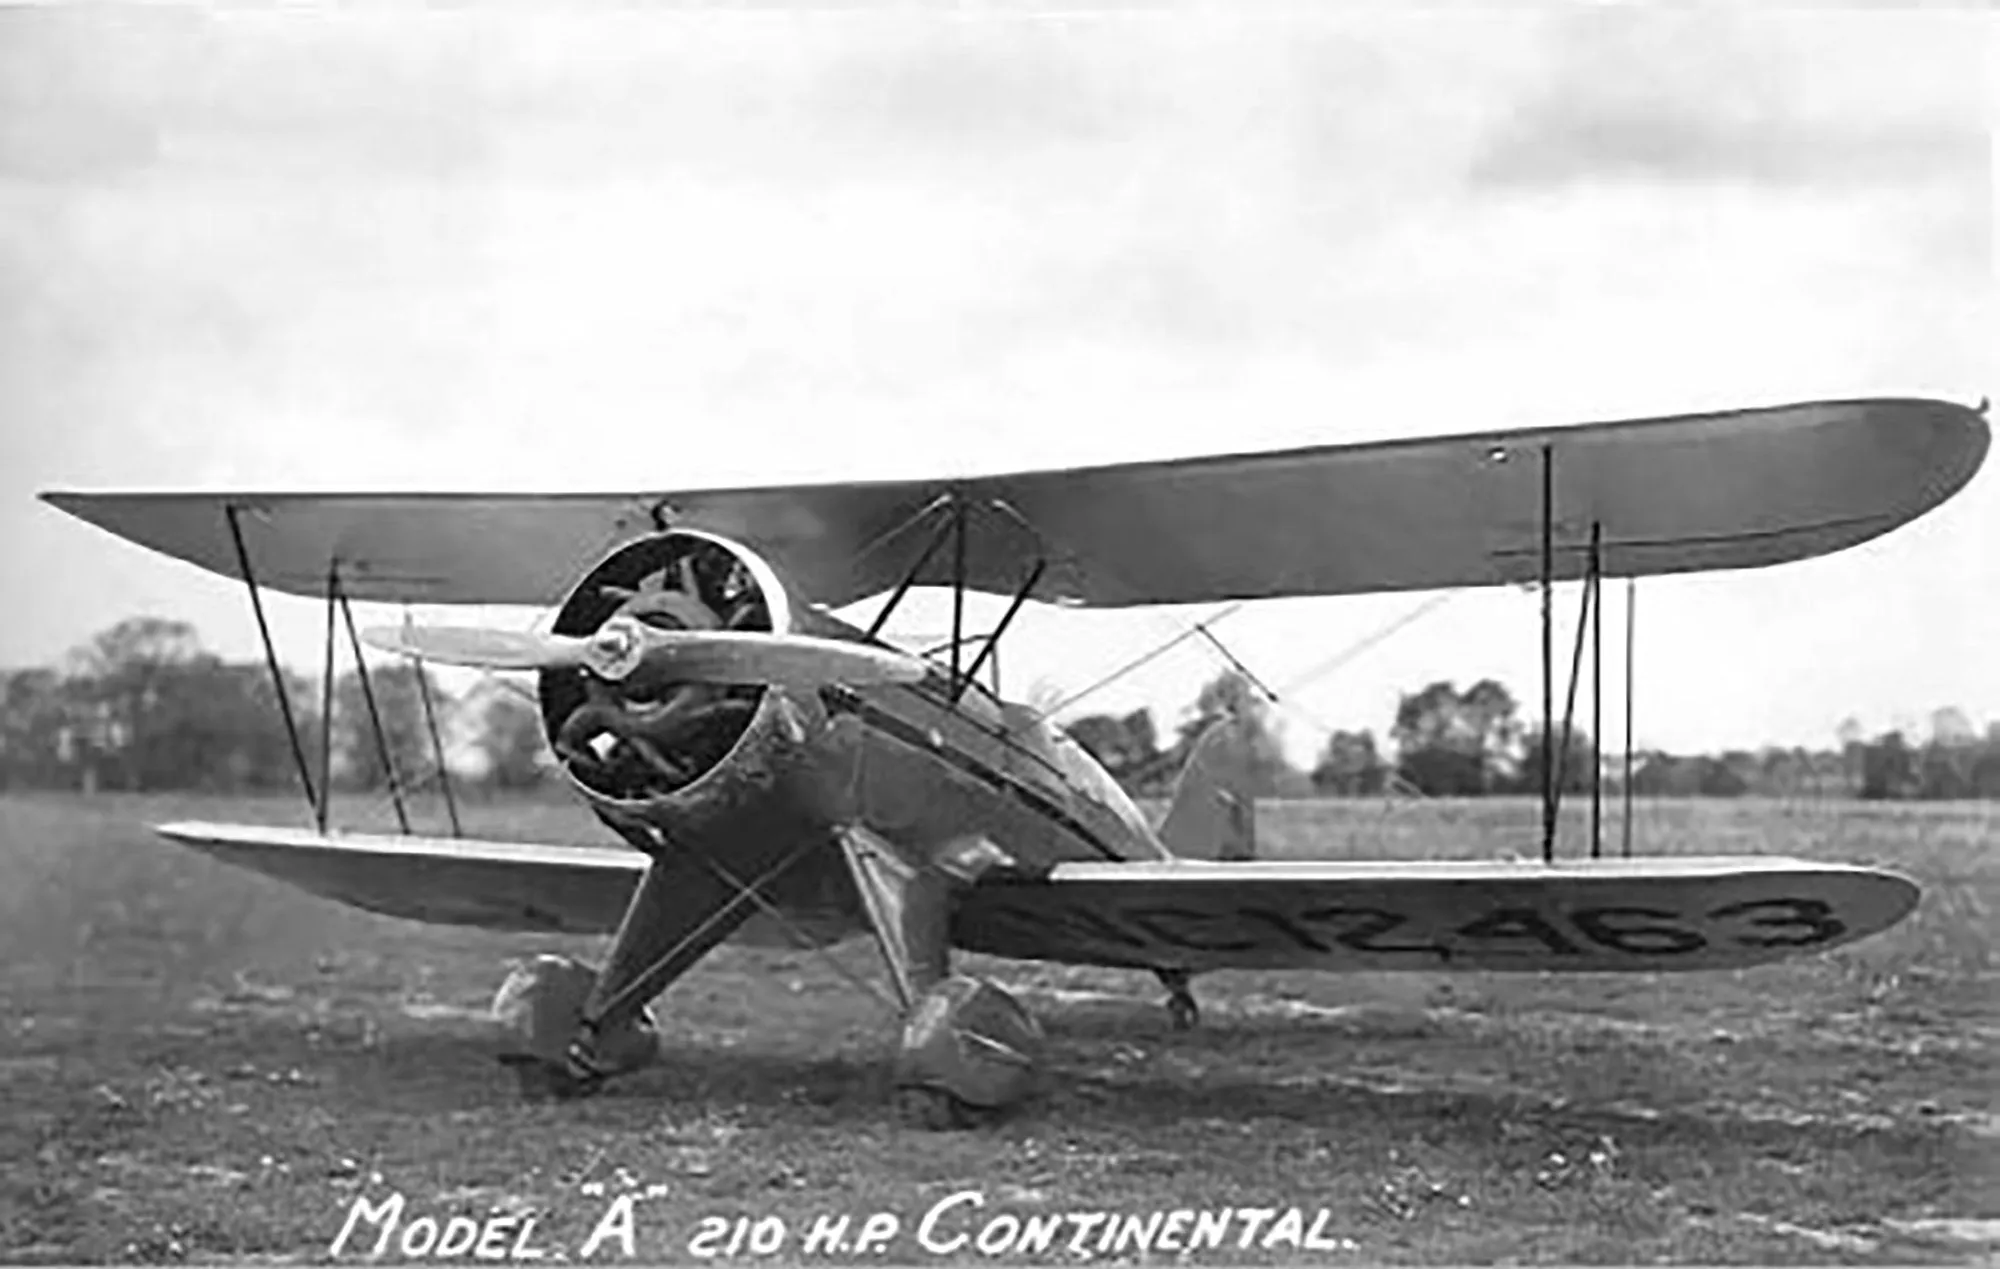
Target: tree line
[(1448, 742), (143, 706)]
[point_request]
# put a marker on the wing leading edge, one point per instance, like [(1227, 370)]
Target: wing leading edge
[(446, 881), (1578, 916), (1737, 489)]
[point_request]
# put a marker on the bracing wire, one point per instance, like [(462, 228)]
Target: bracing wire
[(1144, 658), (1238, 666), (1287, 699), (1359, 646), (1284, 701)]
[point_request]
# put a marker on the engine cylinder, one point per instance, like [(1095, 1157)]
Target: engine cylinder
[(645, 739)]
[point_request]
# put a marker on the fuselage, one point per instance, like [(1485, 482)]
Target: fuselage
[(927, 766)]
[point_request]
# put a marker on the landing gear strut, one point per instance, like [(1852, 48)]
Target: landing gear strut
[(968, 1049), (1182, 1011)]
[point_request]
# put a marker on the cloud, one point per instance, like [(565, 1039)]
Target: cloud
[(96, 96), (976, 88), (536, 248), (1774, 100)]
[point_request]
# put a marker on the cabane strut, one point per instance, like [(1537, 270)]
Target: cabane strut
[(955, 526)]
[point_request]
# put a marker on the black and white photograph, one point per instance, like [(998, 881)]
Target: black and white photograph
[(785, 634)]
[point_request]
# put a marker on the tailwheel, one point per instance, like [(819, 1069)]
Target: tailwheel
[(1183, 1013)]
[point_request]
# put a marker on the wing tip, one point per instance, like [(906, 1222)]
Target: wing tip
[(1957, 441)]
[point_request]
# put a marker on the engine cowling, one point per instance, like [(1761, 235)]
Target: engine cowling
[(645, 740)]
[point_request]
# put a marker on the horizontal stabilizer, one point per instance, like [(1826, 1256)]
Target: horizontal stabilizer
[(1658, 913)]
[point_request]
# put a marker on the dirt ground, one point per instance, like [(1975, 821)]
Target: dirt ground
[(202, 1064)]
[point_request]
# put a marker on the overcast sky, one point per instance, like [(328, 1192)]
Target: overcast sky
[(542, 250)]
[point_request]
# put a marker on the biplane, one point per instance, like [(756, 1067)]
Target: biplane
[(759, 757)]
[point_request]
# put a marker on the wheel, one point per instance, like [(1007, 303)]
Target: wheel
[(543, 1081), (932, 1110), (1182, 1011)]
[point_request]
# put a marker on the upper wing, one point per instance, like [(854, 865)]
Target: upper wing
[(498, 885), (1703, 491), (1583, 915)]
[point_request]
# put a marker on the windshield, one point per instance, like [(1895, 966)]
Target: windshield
[(1096, 784)]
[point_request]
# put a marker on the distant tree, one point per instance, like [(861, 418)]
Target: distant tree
[(1948, 764), (1945, 771), (1126, 745), (1950, 726), (1262, 753), (508, 735), (1574, 764), (1986, 765), (1659, 774), (142, 706), (1853, 751), (1888, 768), (228, 729), (1832, 775), (1349, 766), (133, 692), (40, 721), (1449, 742), (357, 755), (1720, 777), (1744, 772)]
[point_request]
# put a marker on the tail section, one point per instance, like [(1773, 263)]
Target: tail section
[(1214, 812)]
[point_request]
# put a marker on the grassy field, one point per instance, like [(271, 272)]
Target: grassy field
[(199, 1063)]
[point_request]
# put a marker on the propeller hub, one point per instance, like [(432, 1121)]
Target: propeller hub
[(616, 649)]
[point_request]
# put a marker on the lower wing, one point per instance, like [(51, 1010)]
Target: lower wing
[(446, 880), (1660, 913), (1585, 915)]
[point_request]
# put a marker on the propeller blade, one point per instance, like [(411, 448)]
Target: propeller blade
[(621, 646), (804, 661), (481, 648)]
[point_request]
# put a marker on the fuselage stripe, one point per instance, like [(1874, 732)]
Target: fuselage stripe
[(844, 700)]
